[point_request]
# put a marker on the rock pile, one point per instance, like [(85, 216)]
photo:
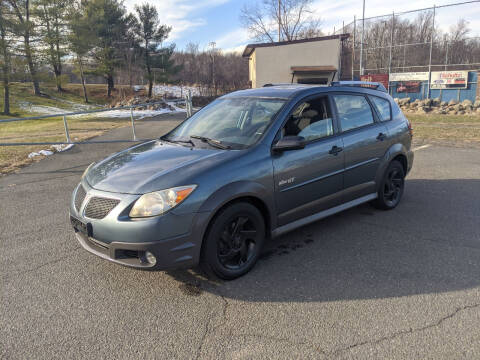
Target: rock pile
[(435, 106), (156, 103)]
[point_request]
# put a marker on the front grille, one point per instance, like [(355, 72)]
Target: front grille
[(98, 207), (79, 197)]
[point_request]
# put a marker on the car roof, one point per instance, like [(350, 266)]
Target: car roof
[(288, 91), (275, 91)]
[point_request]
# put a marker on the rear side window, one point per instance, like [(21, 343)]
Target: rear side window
[(383, 108), (354, 111)]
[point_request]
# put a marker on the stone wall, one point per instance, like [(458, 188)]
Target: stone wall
[(435, 106)]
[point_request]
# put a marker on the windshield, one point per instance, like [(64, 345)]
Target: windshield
[(232, 122)]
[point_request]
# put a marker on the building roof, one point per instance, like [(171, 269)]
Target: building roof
[(250, 48)]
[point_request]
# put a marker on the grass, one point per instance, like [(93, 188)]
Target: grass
[(456, 130), (51, 129)]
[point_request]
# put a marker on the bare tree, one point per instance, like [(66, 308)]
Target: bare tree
[(292, 18), (5, 58), (25, 26)]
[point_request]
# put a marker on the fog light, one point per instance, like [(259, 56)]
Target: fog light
[(151, 259)]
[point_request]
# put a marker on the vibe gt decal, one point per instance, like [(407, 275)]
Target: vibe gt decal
[(286, 181)]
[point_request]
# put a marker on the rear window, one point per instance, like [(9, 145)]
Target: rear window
[(383, 108), (353, 111)]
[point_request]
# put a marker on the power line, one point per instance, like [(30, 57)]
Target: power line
[(423, 9)]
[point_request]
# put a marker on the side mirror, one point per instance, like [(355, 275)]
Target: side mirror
[(289, 143)]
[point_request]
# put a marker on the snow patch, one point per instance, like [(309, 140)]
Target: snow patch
[(55, 148), (41, 152), (62, 147), (174, 90), (138, 114)]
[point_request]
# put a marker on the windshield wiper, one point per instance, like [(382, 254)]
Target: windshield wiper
[(212, 142), (180, 141)]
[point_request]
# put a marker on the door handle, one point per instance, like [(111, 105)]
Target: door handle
[(335, 150), (381, 136)]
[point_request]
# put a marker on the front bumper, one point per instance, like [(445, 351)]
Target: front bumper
[(174, 240)]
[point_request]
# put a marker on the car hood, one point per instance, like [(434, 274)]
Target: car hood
[(138, 170)]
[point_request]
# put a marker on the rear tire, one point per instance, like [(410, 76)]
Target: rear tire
[(233, 241), (391, 188)]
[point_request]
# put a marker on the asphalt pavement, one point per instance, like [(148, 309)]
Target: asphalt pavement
[(361, 284)]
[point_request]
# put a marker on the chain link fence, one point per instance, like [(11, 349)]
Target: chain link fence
[(419, 40)]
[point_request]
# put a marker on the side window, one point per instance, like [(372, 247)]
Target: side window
[(311, 119), (383, 107), (353, 111)]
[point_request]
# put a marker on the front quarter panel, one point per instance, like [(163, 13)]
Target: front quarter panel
[(251, 175)]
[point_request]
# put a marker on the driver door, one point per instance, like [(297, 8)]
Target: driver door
[(309, 180)]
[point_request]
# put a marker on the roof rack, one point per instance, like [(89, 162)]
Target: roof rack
[(278, 84), (374, 85)]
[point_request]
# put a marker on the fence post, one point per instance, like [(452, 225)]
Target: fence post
[(391, 50), (446, 54), (188, 103), (431, 49), (65, 125), (353, 46), (361, 39), (133, 124)]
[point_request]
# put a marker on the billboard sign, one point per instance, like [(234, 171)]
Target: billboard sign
[(408, 87), (409, 76), (380, 78), (449, 80)]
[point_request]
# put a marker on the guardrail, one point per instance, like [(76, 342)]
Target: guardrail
[(187, 100)]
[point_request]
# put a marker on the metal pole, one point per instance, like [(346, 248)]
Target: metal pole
[(133, 125), (188, 104), (431, 50), (65, 125), (391, 49), (279, 20), (446, 55), (362, 38), (353, 46)]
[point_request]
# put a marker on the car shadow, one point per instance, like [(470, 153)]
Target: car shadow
[(429, 244)]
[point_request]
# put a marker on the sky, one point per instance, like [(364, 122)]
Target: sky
[(204, 21)]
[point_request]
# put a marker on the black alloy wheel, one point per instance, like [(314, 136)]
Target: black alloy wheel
[(234, 241), (391, 188), (236, 244)]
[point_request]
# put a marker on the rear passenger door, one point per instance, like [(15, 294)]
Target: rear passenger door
[(364, 141)]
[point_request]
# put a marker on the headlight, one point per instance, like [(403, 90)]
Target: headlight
[(159, 202), (86, 170)]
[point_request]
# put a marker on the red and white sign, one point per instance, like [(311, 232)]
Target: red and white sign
[(449, 80), (380, 78)]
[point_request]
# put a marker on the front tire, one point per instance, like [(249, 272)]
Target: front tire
[(391, 188), (233, 241)]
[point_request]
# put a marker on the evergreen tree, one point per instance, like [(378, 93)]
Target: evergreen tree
[(81, 40), (51, 15), (165, 64), (151, 34), (110, 24)]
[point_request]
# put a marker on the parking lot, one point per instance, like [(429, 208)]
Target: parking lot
[(360, 284)]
